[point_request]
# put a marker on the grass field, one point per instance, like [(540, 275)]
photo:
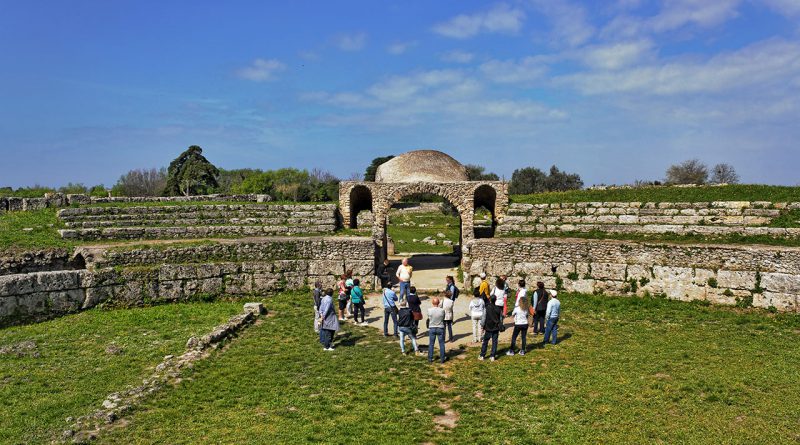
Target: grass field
[(405, 227), (76, 361), (628, 370), (665, 237), (43, 225), (749, 192)]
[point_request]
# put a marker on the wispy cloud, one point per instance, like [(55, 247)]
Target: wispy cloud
[(523, 71), (570, 22), (502, 18), (351, 42), (398, 48), (615, 55), (701, 13), (261, 70), (457, 56)]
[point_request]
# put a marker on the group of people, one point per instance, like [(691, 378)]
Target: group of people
[(487, 310)]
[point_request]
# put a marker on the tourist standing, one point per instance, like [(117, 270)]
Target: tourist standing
[(492, 323), (415, 304), (520, 313), (476, 311), (348, 288), (385, 273), (540, 299), (435, 330), (450, 285), (521, 293), (329, 322), (342, 295), (389, 310), (317, 295), (507, 291), (500, 295), (407, 329), (357, 298), (483, 288), (552, 315), (404, 275), (447, 305)]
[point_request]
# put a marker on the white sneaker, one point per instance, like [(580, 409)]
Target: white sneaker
[(480, 357), (329, 349), (521, 352), (492, 359), (510, 352)]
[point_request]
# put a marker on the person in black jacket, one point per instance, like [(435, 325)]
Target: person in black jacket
[(406, 323), (492, 324), (540, 299), (385, 273)]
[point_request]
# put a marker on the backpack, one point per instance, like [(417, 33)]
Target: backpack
[(541, 300), (455, 292)]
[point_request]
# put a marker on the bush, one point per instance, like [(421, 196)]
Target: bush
[(687, 172)]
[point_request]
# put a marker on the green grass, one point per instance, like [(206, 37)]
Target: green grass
[(435, 223), (73, 373), (628, 370), (44, 224), (789, 218), (750, 192)]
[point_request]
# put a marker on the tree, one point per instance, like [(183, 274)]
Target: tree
[(230, 179), (724, 174), (191, 174), (477, 173), (141, 182), (527, 180), (559, 181), (73, 189), (369, 174), (99, 191), (687, 172)]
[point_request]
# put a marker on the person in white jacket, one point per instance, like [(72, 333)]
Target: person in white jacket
[(520, 313), (477, 308)]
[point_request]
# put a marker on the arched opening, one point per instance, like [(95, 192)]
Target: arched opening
[(360, 200), (484, 218), (425, 227)]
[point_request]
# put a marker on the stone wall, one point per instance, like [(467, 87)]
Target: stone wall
[(168, 274), (12, 204), (197, 221), (770, 276), (700, 218), (37, 261)]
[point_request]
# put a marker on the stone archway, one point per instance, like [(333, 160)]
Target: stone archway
[(485, 196), (360, 200)]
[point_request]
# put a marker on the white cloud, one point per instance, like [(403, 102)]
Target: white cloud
[(500, 19), (769, 63), (789, 8), (702, 13), (526, 70), (261, 70), (570, 22), (398, 48), (616, 55), (351, 42), (457, 56)]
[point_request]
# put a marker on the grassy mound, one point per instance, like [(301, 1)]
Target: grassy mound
[(749, 192), (628, 370), (66, 367)]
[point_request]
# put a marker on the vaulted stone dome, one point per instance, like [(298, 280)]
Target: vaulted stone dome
[(421, 166)]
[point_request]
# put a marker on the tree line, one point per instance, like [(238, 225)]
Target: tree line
[(191, 173)]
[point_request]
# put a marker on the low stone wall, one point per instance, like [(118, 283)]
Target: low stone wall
[(37, 261), (12, 204), (700, 218), (197, 221), (767, 276), (167, 274)]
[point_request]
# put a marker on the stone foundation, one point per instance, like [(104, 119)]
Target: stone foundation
[(725, 274), (168, 274)]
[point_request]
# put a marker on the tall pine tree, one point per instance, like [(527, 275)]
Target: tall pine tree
[(190, 174)]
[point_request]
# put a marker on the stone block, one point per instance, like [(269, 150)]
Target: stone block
[(66, 301), (781, 283), (608, 271), (56, 281), (18, 284), (170, 290), (742, 280), (781, 301), (203, 286)]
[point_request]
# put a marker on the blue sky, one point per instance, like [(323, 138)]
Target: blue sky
[(613, 90)]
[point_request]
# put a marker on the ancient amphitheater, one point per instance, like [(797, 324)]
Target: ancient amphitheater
[(136, 251)]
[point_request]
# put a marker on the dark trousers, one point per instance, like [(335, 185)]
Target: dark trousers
[(538, 322), (358, 307), (520, 329), (552, 328), (433, 334), (388, 312), (326, 337), (486, 336), (448, 328)]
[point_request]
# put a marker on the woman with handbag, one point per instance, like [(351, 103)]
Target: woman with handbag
[(415, 304)]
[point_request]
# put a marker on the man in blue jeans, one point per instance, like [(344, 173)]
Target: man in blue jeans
[(552, 314), (389, 299), (436, 330), (404, 277)]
